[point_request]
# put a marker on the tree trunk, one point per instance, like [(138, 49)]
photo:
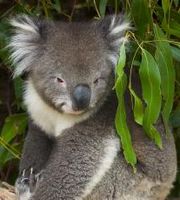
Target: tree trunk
[(7, 192)]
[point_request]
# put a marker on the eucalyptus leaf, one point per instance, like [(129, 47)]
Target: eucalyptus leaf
[(165, 5), (164, 59), (57, 5), (102, 7), (173, 28), (121, 124), (176, 2), (138, 108), (120, 119), (175, 53), (6, 156), (121, 62), (14, 124), (141, 8), (175, 118), (150, 81)]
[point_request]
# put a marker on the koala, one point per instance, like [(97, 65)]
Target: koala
[(72, 151)]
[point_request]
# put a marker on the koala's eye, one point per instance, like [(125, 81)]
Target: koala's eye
[(59, 80), (97, 80)]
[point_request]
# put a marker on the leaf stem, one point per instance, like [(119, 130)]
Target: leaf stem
[(96, 8)]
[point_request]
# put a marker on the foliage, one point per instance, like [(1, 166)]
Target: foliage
[(120, 119), (153, 50)]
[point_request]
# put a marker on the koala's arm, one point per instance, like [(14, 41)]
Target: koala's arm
[(158, 164), (70, 170), (36, 150)]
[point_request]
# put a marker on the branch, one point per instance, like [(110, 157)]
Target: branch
[(7, 192)]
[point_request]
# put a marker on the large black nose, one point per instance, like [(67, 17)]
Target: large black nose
[(81, 96)]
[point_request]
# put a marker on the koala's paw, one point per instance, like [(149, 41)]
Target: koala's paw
[(27, 183)]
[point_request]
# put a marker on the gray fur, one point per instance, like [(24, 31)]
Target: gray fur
[(83, 160)]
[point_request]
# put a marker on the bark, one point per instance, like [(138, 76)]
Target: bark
[(7, 192)]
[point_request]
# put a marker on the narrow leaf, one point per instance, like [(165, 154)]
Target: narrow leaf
[(138, 109), (175, 118), (166, 67), (175, 53), (173, 28), (165, 5), (140, 8), (57, 6), (102, 7), (121, 62), (120, 119), (121, 124), (176, 2), (150, 81), (14, 124)]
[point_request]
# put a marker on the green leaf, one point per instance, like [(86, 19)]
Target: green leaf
[(102, 7), (150, 81), (121, 124), (164, 59), (120, 119), (157, 136), (175, 53), (6, 155), (14, 124), (138, 109), (175, 118), (57, 6), (141, 15), (173, 28), (176, 2), (6, 150), (121, 62), (165, 5)]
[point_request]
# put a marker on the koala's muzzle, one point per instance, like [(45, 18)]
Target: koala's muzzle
[(81, 96)]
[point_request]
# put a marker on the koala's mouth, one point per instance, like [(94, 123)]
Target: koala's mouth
[(74, 112), (69, 110)]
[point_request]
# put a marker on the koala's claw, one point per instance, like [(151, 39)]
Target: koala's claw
[(39, 176), (22, 188), (24, 172), (26, 183), (23, 179)]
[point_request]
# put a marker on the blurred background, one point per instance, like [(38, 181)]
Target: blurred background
[(143, 14)]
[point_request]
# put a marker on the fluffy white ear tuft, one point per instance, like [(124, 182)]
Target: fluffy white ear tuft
[(118, 26), (114, 28), (25, 43)]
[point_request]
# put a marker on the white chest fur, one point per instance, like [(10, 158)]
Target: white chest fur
[(48, 119)]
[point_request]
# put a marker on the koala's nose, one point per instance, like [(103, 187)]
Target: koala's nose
[(81, 96)]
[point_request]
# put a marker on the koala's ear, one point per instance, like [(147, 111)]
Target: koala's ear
[(25, 43), (113, 29)]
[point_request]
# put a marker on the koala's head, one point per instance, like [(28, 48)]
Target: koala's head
[(71, 65)]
